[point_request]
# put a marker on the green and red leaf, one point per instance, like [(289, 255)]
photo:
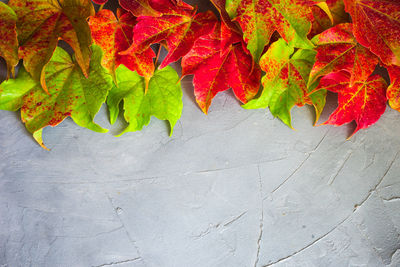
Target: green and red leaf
[(42, 23), (259, 19), (364, 102), (114, 35), (216, 69), (285, 82), (69, 93), (8, 40), (377, 27)]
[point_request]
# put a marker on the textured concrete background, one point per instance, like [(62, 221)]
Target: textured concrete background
[(234, 188)]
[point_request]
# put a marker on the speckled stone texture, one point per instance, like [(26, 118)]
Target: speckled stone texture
[(234, 188)]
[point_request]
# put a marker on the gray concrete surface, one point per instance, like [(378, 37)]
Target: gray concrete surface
[(234, 188)]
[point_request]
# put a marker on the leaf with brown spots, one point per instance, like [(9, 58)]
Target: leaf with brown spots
[(70, 93), (8, 40), (113, 35), (41, 23)]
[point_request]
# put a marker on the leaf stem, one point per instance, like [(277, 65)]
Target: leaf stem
[(158, 56)]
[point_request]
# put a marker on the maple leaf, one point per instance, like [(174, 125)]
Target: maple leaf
[(393, 91), (178, 31), (163, 98), (8, 41), (285, 82), (322, 21), (364, 102), (41, 23), (377, 27), (154, 8), (259, 19), (337, 50), (216, 70), (70, 93), (114, 35)]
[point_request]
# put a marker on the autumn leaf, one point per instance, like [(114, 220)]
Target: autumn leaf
[(377, 27), (322, 21), (41, 23), (364, 102), (393, 92), (162, 100), (70, 93), (337, 50), (154, 8), (259, 19), (8, 41), (285, 82), (178, 31), (113, 35), (216, 70)]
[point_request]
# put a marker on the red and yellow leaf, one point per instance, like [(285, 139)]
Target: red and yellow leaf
[(114, 35), (322, 21), (177, 31), (259, 19), (393, 92), (8, 40), (364, 102), (216, 70), (337, 50), (154, 8), (41, 23), (377, 26)]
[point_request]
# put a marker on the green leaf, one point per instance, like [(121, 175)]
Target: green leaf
[(285, 82), (70, 93), (162, 100)]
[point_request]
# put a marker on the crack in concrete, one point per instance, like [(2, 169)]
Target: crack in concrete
[(356, 206), (309, 245), (124, 227), (118, 262), (333, 178), (291, 175), (261, 226), (391, 199)]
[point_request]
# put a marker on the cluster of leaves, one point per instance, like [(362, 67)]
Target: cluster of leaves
[(273, 54)]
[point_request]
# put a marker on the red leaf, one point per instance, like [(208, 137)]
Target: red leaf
[(100, 2), (339, 50), (217, 70), (178, 31), (377, 26), (154, 8), (114, 35), (365, 102)]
